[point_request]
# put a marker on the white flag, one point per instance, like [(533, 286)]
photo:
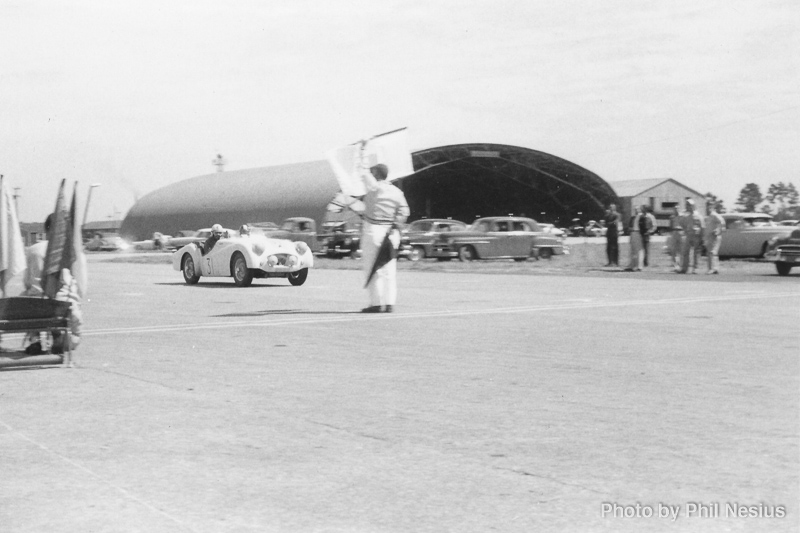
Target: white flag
[(390, 149)]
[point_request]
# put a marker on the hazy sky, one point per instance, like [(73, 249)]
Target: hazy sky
[(137, 95)]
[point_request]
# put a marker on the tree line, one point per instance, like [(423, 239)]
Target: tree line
[(781, 201)]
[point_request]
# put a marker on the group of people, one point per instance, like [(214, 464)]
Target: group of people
[(689, 232)]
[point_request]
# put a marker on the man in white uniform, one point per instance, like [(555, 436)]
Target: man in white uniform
[(385, 208), (715, 225)]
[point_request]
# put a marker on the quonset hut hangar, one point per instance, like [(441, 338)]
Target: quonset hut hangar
[(462, 181)]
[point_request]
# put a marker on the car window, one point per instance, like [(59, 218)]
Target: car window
[(303, 226), (482, 226), (288, 226), (521, 226), (735, 223), (421, 226), (501, 226)]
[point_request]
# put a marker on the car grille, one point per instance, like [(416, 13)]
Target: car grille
[(789, 249), (282, 259)]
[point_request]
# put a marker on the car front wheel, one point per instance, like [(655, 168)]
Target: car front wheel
[(545, 253), (190, 274), (242, 276), (417, 253), (466, 253), (299, 277), (783, 268)]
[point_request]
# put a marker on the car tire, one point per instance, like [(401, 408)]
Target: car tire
[(242, 276), (545, 253), (299, 277), (190, 274), (417, 253), (783, 268), (763, 250), (444, 258), (466, 253)]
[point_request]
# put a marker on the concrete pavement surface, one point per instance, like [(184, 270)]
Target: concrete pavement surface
[(485, 403)]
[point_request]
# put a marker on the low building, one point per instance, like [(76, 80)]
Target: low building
[(32, 232), (90, 229), (661, 194)]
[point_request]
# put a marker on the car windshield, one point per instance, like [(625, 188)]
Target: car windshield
[(759, 222)]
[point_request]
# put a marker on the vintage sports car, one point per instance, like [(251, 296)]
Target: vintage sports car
[(423, 234), (244, 258), (515, 238), (784, 252), (748, 234), (106, 242)]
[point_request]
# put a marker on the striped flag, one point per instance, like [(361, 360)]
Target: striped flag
[(51, 273), (12, 250), (73, 258)]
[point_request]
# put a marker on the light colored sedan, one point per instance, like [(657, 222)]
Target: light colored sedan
[(748, 234)]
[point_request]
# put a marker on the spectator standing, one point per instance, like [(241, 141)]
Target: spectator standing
[(634, 263), (715, 225), (675, 241), (692, 224), (612, 220), (647, 227)]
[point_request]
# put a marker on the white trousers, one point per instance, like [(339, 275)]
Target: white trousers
[(383, 287)]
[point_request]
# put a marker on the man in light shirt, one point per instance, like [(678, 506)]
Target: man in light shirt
[(715, 225), (385, 209)]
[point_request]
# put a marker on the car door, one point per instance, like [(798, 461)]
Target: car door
[(731, 237), (500, 243), (520, 239)]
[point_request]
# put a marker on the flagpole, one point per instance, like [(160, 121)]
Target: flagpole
[(381, 135)]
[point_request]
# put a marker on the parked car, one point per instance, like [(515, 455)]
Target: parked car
[(561, 233), (106, 242), (244, 258), (297, 229), (789, 222), (784, 252), (515, 238), (185, 237), (421, 235), (595, 229), (748, 234), (340, 239)]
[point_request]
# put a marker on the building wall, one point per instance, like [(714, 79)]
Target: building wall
[(661, 198)]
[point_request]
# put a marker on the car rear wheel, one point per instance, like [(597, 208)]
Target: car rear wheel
[(783, 268), (545, 253), (417, 253), (190, 274), (520, 259), (299, 277), (242, 276), (467, 253)]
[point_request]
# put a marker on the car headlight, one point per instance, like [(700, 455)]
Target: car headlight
[(272, 260), (291, 261), (301, 247), (348, 241)]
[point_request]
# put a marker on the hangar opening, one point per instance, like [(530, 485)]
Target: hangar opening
[(467, 181)]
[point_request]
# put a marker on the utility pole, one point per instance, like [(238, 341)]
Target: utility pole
[(219, 162), (16, 199)]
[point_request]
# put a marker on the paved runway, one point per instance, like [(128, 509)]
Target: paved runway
[(486, 403)]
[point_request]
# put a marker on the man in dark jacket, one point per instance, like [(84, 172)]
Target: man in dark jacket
[(612, 235)]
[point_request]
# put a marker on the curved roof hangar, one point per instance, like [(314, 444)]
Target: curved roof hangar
[(463, 181)]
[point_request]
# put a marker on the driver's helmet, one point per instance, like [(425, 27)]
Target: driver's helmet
[(216, 230), (244, 230)]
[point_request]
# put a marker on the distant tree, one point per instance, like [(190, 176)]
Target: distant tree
[(711, 199), (749, 198), (785, 198)]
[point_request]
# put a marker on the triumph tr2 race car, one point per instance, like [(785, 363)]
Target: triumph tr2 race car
[(245, 257)]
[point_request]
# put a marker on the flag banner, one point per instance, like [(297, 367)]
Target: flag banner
[(386, 253), (76, 258), (390, 149), (51, 273), (12, 249)]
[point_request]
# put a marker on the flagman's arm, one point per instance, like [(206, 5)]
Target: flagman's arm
[(370, 183)]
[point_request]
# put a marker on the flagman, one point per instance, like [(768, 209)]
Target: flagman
[(385, 209)]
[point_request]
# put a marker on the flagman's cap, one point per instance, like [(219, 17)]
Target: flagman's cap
[(380, 171)]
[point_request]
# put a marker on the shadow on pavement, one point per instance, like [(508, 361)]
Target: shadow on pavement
[(285, 312)]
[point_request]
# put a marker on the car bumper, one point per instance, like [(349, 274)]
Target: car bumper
[(776, 256)]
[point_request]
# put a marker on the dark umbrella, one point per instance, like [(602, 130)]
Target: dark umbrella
[(386, 253)]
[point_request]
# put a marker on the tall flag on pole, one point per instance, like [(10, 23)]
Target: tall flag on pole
[(51, 273), (12, 250), (73, 258)]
